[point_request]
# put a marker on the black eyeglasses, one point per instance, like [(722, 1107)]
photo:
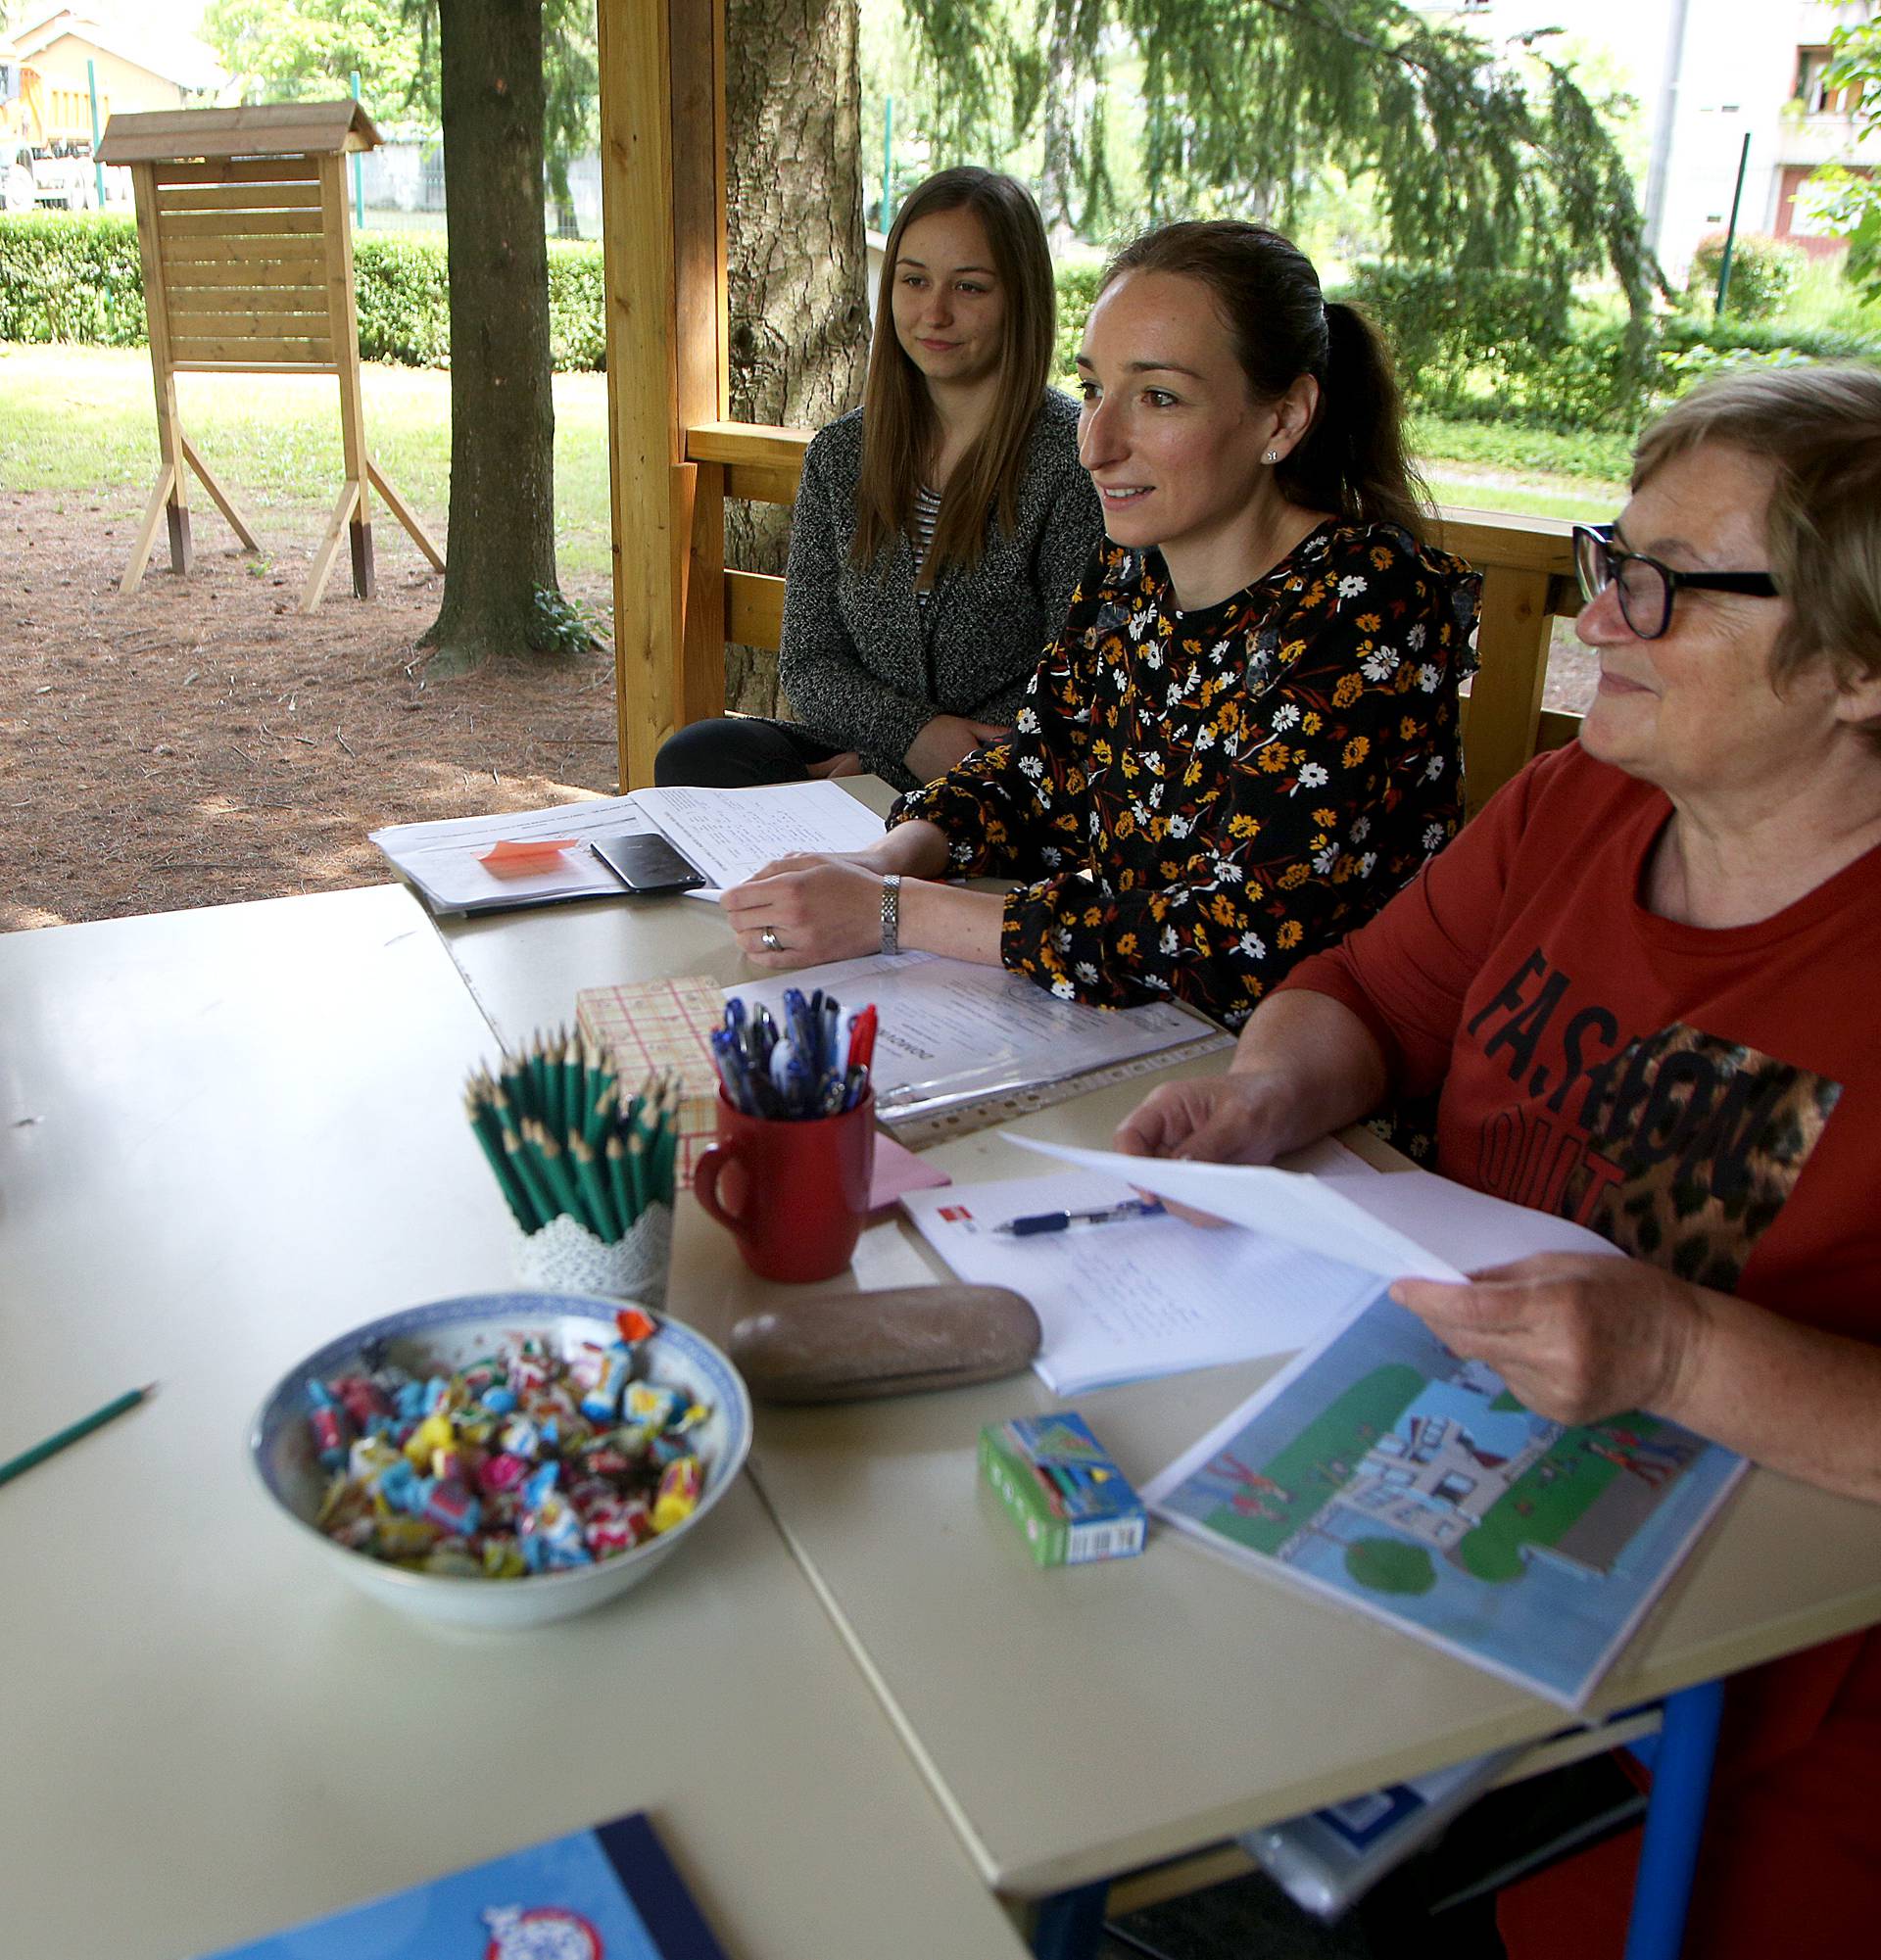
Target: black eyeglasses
[(1646, 586)]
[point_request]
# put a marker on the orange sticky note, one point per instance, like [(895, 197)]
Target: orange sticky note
[(516, 858)]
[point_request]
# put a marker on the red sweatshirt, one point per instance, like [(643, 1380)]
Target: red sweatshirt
[(1668, 1086)]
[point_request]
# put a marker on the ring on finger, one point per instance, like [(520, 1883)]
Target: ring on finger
[(769, 940)]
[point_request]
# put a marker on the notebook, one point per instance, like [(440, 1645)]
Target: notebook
[(606, 1894)]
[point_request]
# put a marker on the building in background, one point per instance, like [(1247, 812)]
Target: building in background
[(1708, 73), (51, 60)]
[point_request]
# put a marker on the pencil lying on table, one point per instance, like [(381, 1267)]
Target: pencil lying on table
[(29, 1458), (560, 1141)]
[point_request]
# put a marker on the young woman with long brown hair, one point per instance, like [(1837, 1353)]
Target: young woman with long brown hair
[(939, 529)]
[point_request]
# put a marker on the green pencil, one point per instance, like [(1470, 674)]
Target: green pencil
[(51, 1447), (618, 1187), (594, 1190), (489, 1134), (555, 1168), (665, 1142)]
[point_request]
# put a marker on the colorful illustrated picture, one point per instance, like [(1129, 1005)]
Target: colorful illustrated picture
[(1386, 1471)]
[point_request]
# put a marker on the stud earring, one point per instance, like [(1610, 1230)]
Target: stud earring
[(1270, 458)]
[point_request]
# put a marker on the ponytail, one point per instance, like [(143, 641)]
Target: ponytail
[(1352, 460)]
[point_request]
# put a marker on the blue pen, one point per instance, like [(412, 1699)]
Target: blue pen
[(760, 1037), (1059, 1222), (827, 1034), (728, 1061), (791, 1079)]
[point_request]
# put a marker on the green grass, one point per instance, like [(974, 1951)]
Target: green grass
[(1494, 1549), (80, 419), (84, 419), (1340, 1434)]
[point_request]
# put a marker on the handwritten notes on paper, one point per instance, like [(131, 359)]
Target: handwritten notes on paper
[(1147, 1297), (727, 834)]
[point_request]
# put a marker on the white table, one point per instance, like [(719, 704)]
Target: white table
[(1080, 1724), (224, 1136)]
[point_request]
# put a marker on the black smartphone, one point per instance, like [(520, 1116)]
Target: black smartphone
[(646, 862)]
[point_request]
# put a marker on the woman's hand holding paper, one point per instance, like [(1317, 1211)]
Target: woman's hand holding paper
[(1575, 1336), (1239, 1118)]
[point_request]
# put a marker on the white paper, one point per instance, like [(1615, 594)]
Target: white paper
[(949, 1031), (1328, 1157), (1143, 1297), (1411, 1224), (440, 858), (727, 834)]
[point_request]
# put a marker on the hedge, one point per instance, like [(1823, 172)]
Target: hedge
[(78, 278), (1500, 347)]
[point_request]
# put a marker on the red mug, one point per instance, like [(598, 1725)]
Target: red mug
[(806, 1187)]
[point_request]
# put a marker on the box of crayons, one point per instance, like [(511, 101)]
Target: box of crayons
[(1060, 1487)]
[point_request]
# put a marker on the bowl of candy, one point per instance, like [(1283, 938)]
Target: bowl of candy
[(503, 1459)]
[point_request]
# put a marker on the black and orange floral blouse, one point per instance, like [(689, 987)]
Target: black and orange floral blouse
[(1200, 799)]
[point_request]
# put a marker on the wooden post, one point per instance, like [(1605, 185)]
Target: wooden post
[(343, 331), (701, 302), (1505, 697), (662, 188), (172, 479), (1523, 559)]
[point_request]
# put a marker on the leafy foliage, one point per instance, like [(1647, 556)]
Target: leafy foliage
[(1763, 273), (560, 625), (78, 278), (301, 50), (305, 50), (1449, 327), (66, 277), (1854, 211), (1479, 161)]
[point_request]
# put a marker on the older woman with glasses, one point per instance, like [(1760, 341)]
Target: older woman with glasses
[(1640, 982)]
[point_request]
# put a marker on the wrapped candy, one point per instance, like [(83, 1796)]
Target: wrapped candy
[(602, 1402), (678, 1496), (653, 1407), (518, 1464), (332, 1431)]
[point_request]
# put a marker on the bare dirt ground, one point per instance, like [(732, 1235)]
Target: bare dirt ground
[(201, 740)]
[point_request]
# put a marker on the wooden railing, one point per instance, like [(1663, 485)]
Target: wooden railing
[(1527, 583)]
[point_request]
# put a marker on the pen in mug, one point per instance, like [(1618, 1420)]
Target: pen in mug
[(1058, 1221)]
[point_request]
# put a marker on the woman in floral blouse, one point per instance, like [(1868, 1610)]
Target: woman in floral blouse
[(1245, 740)]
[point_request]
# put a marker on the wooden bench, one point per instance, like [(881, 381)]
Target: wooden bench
[(1527, 583)]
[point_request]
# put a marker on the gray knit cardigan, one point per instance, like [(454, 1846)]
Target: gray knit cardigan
[(864, 664)]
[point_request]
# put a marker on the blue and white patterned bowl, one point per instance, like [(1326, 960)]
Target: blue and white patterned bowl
[(446, 1335)]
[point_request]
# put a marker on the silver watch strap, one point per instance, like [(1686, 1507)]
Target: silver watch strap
[(892, 913)]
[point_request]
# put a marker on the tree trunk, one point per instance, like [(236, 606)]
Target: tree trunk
[(501, 547), (1058, 179), (799, 314)]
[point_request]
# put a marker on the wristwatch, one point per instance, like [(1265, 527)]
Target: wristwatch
[(892, 913)]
